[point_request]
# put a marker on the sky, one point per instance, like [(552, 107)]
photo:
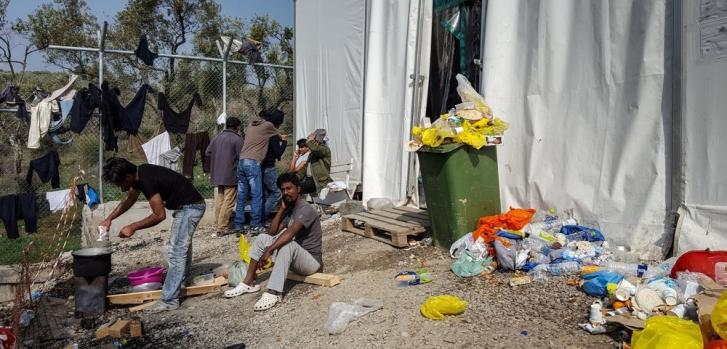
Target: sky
[(105, 10)]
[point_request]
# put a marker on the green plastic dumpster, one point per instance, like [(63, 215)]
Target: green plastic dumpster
[(460, 186)]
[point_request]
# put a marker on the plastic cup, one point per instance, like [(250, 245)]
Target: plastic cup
[(625, 290)]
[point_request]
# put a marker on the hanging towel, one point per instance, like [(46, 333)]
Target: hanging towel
[(57, 199), (143, 52), (155, 147)]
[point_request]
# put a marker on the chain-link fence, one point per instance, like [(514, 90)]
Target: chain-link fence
[(248, 90)]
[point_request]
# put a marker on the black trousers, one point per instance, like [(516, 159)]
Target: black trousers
[(16, 206)]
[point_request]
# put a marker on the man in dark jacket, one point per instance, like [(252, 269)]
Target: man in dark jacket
[(223, 153), (276, 148)]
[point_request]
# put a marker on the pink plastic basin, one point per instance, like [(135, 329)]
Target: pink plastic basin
[(146, 275)]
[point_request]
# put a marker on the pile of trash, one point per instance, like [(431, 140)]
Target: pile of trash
[(470, 122), (663, 303)]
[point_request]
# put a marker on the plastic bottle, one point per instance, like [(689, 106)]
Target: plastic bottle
[(539, 273), (552, 226), (625, 269), (565, 268)]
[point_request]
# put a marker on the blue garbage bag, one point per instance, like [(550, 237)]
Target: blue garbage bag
[(596, 282), (581, 233)]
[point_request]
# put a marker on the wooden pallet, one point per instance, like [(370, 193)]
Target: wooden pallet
[(393, 226)]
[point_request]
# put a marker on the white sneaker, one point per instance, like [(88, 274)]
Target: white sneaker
[(241, 289)]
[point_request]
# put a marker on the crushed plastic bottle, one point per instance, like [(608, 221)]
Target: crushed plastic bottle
[(539, 273), (565, 268)]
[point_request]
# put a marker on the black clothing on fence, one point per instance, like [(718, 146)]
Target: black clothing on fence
[(11, 97), (143, 52), (84, 103), (116, 117), (47, 169), (176, 190), (194, 142), (177, 122), (16, 206)]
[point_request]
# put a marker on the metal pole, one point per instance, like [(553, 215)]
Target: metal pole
[(412, 181), (225, 55), (101, 44)]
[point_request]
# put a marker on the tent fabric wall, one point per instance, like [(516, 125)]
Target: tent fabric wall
[(329, 67), (586, 88), (390, 59), (703, 215)]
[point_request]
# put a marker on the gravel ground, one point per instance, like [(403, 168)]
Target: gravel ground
[(539, 315)]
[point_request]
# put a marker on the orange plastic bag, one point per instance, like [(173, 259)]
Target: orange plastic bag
[(515, 219)]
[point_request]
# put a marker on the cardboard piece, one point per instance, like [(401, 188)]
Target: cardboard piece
[(627, 321)]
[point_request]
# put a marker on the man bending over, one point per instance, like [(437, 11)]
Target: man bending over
[(293, 242), (163, 188)]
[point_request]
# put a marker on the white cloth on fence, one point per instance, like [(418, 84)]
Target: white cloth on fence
[(40, 114), (155, 147), (57, 199)]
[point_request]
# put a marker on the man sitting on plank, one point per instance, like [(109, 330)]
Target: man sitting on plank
[(293, 242)]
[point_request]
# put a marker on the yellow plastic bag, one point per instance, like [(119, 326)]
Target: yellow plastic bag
[(435, 307), (719, 316), (667, 332), (244, 250)]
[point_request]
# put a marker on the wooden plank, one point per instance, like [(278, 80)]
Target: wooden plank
[(321, 279), (420, 215), (381, 225), (103, 330), (142, 307), (135, 328), (141, 297), (389, 220), (410, 209), (117, 329), (404, 218), (385, 239)]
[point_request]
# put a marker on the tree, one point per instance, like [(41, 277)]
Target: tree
[(9, 31), (67, 23), (168, 25)]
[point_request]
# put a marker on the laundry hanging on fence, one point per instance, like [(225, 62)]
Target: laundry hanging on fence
[(59, 119), (40, 114), (177, 122), (143, 52), (15, 206), (47, 168), (84, 103), (11, 97), (116, 117), (155, 147), (170, 159), (134, 149), (86, 194), (57, 200), (193, 143)]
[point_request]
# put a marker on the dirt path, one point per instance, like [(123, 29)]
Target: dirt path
[(530, 316)]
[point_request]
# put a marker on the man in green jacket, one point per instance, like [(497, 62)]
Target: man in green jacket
[(319, 161)]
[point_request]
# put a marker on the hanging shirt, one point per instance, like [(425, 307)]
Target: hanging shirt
[(117, 118), (84, 103), (155, 147), (40, 115), (47, 169), (143, 52), (57, 199), (176, 122)]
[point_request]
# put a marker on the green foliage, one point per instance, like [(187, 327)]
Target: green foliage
[(63, 22)]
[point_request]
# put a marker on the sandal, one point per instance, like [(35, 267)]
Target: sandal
[(240, 289), (267, 301)]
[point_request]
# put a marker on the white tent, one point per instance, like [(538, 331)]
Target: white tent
[(614, 106)]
